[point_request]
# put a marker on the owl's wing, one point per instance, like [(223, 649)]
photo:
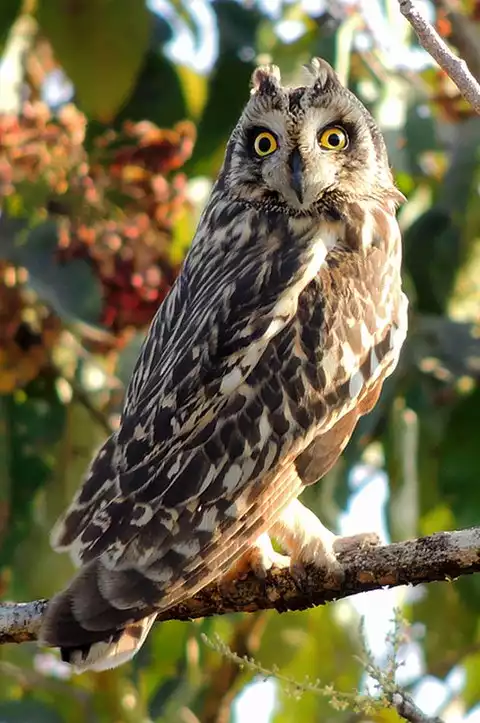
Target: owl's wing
[(366, 314), (169, 500)]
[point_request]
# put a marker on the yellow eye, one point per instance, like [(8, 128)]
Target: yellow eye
[(333, 139), (265, 144)]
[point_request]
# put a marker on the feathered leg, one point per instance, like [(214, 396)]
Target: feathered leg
[(306, 539)]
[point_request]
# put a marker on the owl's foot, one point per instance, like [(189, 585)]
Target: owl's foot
[(307, 541), (259, 559)]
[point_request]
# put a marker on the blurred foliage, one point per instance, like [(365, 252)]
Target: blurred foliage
[(100, 190)]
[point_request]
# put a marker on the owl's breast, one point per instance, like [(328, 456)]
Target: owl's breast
[(345, 328)]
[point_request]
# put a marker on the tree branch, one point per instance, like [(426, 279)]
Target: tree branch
[(408, 710), (463, 35), (455, 68), (367, 566)]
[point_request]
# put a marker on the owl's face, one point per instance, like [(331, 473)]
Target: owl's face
[(305, 148)]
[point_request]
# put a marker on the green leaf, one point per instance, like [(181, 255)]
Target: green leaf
[(432, 254), (461, 179), (471, 691), (165, 691), (9, 11), (158, 95), (128, 358), (81, 436), (312, 644), (101, 45), (194, 88), (459, 461), (28, 711), (449, 624), (71, 289), (32, 422), (420, 133), (166, 646), (228, 87)]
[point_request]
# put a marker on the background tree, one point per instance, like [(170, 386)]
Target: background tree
[(109, 138)]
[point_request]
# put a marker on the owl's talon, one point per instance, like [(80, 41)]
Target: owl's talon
[(323, 560), (299, 573), (258, 559), (261, 564)]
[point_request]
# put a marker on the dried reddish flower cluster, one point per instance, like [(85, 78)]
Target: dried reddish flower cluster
[(130, 247), (35, 149), (28, 331), (116, 206)]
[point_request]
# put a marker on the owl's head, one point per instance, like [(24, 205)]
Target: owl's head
[(303, 149)]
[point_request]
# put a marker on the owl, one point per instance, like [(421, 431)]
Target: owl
[(277, 335)]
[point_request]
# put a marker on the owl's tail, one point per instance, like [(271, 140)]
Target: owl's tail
[(118, 648), (91, 633)]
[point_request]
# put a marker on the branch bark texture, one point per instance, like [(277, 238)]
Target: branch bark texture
[(439, 557), (455, 68), (463, 34), (409, 711)]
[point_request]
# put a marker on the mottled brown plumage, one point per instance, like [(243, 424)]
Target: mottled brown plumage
[(285, 320)]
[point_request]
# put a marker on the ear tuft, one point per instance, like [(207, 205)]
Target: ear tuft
[(322, 74), (266, 79)]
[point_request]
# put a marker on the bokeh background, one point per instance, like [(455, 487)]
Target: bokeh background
[(113, 122)]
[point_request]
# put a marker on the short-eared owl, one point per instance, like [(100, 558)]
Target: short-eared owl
[(277, 336)]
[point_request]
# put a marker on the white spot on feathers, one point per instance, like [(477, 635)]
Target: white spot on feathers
[(145, 516), (264, 428), (365, 336), (355, 384), (209, 520), (330, 366), (349, 359), (232, 478), (374, 362), (231, 381)]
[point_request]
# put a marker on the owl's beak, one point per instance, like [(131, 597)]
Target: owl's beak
[(296, 167)]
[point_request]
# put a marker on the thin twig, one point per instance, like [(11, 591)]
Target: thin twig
[(455, 68), (85, 400), (439, 557), (224, 681), (390, 693), (385, 676)]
